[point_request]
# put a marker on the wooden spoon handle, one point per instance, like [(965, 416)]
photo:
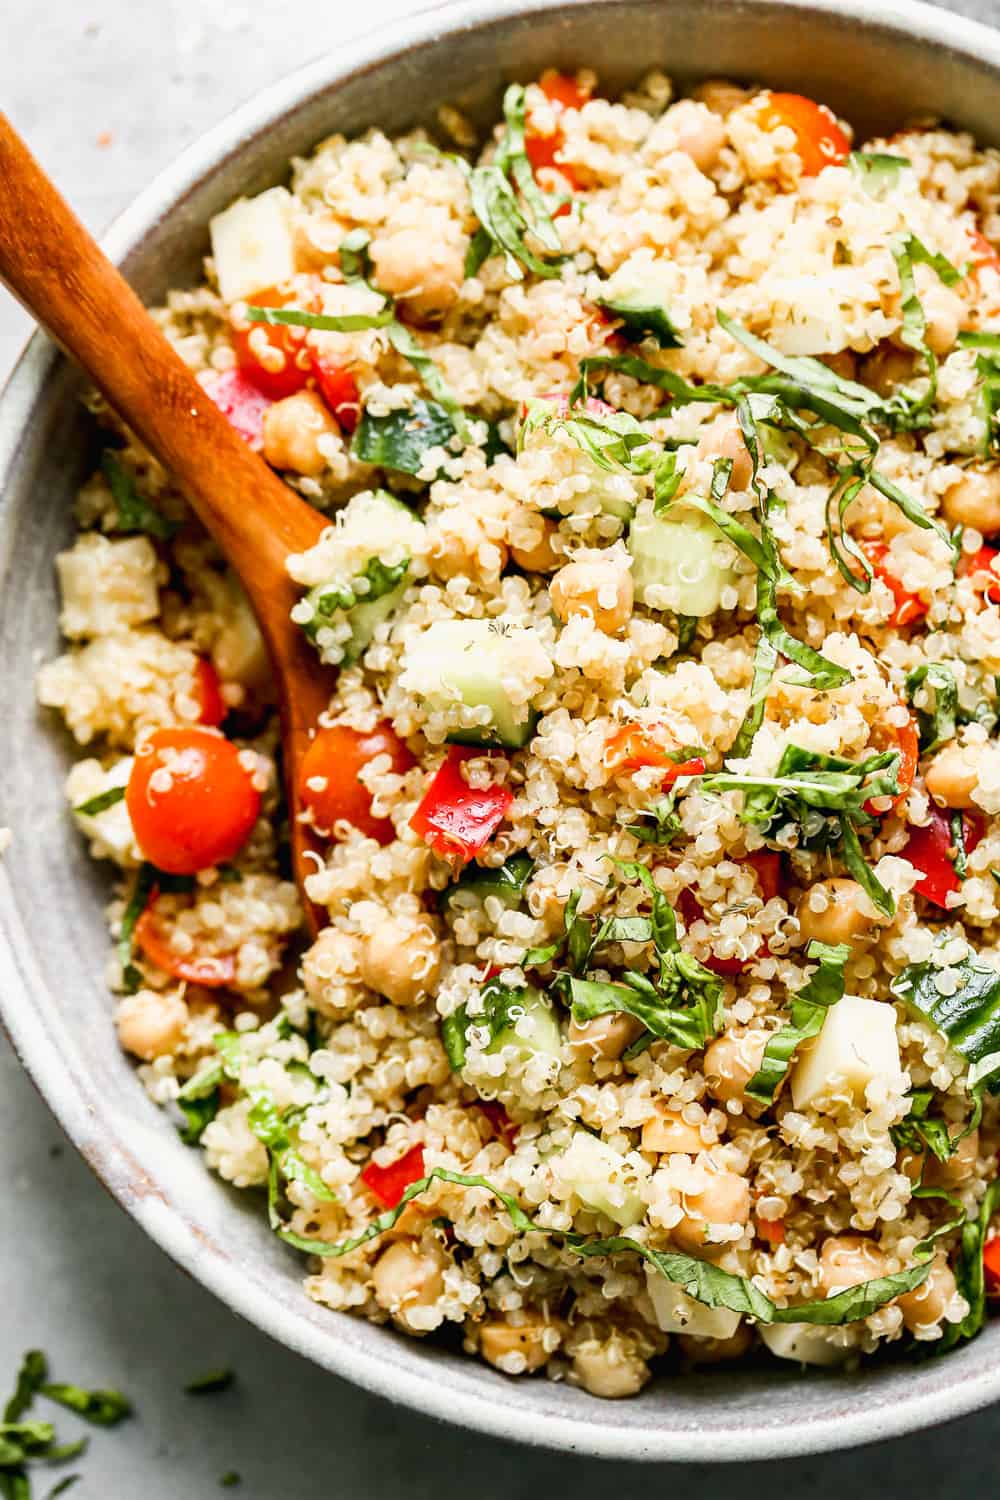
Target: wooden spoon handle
[(53, 265)]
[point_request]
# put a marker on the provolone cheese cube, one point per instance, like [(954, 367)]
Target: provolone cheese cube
[(857, 1043), (676, 1312), (107, 584), (109, 831), (601, 1178), (252, 244), (803, 1343)]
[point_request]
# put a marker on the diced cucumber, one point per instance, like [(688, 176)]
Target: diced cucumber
[(677, 561), (519, 1017), (600, 1178), (361, 612), (507, 884), (638, 293), (466, 662)]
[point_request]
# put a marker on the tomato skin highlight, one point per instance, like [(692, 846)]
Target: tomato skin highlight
[(205, 812), (336, 756), (455, 819), (211, 972), (909, 607), (241, 403), (291, 375), (388, 1184), (213, 705), (819, 140), (927, 850), (904, 738)]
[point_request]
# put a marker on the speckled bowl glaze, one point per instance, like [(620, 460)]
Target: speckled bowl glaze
[(875, 61)]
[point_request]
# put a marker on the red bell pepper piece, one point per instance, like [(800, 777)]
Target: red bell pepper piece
[(388, 1184), (240, 402), (633, 747), (904, 738), (909, 607), (727, 968), (458, 820), (213, 705), (766, 865), (991, 1266), (978, 567), (501, 1124), (339, 390), (929, 851)]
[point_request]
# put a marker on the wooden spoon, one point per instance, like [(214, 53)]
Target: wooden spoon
[(55, 268)]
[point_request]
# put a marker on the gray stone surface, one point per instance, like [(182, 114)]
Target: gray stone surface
[(108, 92)]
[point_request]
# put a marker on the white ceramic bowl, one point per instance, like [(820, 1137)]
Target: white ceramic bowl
[(875, 61)]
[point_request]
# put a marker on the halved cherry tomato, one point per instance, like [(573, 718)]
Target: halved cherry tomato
[(904, 738), (929, 850), (979, 567), (634, 746), (909, 607), (388, 1184), (728, 968), (766, 864), (241, 402), (819, 140), (458, 820), (542, 150), (771, 1231), (991, 1266), (329, 778), (339, 390), (213, 705), (212, 972), (272, 357), (192, 801), (501, 1124)]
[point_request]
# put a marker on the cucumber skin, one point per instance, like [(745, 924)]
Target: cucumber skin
[(490, 738)]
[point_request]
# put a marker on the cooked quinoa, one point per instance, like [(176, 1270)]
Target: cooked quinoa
[(658, 793)]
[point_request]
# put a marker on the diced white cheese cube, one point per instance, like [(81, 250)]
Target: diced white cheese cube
[(107, 584), (253, 245), (857, 1043), (601, 1178), (238, 651), (109, 831), (676, 1312), (803, 1343)]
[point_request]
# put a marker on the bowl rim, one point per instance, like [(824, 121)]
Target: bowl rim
[(32, 1033)]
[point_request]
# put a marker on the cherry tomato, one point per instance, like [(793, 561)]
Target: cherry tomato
[(212, 972), (728, 968), (991, 1266), (983, 253), (339, 390), (213, 706), (563, 89), (501, 1124), (542, 150), (458, 820), (240, 402), (819, 140), (909, 607), (388, 1184), (633, 747), (979, 567), (276, 344), (191, 800), (333, 764), (929, 850), (904, 738), (766, 865)]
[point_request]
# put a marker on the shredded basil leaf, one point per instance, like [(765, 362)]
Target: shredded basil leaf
[(662, 822), (921, 1131), (969, 1019), (142, 889), (509, 204), (610, 440), (134, 513), (297, 317), (210, 1382), (399, 440), (808, 1012), (817, 671), (104, 1408), (765, 661), (877, 171), (939, 724), (644, 320), (101, 802), (970, 1272)]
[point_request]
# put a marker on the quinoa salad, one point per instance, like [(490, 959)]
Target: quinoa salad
[(655, 1018)]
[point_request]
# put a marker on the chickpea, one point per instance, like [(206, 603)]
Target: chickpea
[(960, 1166), (597, 587), (886, 367), (530, 535), (151, 1025), (720, 97), (722, 438), (715, 1351), (730, 1062), (405, 1278), (974, 501), (928, 1303), (604, 1036), (944, 311), (401, 959), (723, 1198), (847, 1260), (424, 269), (612, 1370), (844, 363), (515, 1350), (952, 776), (461, 544), (668, 1132), (846, 916), (700, 132), (331, 971), (293, 430)]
